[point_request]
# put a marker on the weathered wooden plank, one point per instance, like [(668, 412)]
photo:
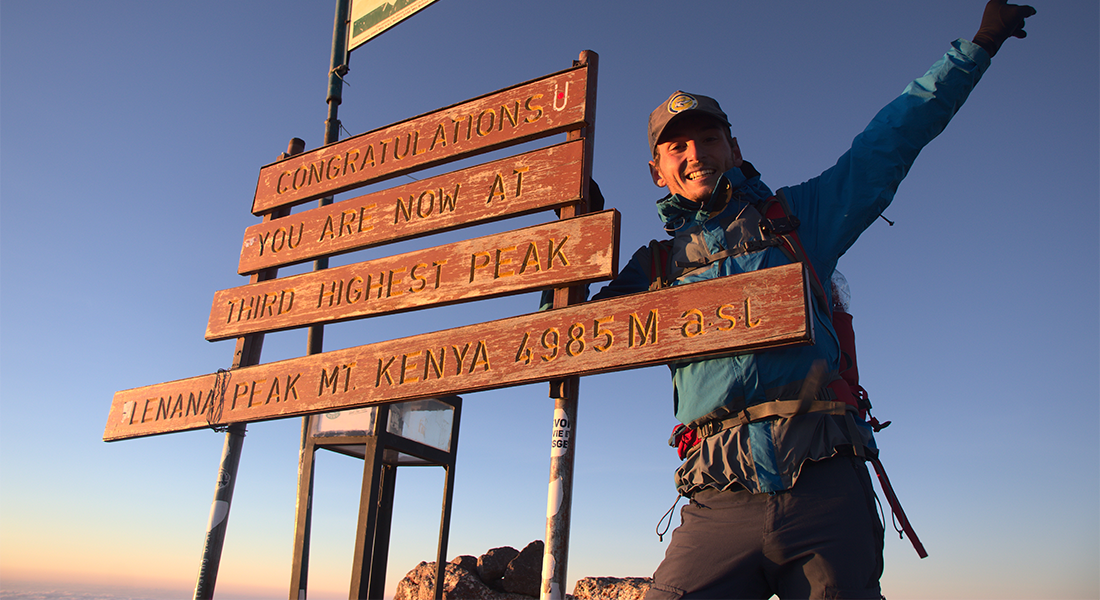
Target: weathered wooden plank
[(541, 107), (763, 309), (566, 252), (538, 180)]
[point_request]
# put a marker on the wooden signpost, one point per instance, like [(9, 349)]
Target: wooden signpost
[(539, 180), (559, 253), (552, 104), (554, 255), (752, 311), (742, 313)]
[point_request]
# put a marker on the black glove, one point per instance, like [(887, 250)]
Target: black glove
[(1001, 21)]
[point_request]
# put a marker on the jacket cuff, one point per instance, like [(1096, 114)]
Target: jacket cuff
[(972, 51)]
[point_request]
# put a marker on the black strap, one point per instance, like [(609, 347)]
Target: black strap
[(774, 408), (660, 259), (749, 246)]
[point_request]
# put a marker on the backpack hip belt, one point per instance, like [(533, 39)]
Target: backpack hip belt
[(767, 410)]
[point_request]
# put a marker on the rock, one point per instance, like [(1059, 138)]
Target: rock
[(492, 565), (524, 572), (458, 584), (612, 588), (508, 574), (466, 562)]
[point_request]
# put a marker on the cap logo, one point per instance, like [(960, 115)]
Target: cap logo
[(681, 102)]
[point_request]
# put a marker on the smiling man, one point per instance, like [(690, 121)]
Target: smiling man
[(695, 150), (774, 442)]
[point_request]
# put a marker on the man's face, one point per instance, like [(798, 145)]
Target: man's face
[(692, 154)]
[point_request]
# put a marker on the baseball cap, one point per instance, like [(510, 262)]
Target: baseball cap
[(681, 103)]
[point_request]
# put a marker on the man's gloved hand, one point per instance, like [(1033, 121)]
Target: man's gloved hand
[(1001, 21)]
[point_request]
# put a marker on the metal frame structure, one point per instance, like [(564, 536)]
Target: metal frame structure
[(382, 452)]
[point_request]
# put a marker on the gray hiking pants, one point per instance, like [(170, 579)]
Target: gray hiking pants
[(820, 539)]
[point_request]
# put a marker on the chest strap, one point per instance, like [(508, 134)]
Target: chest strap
[(744, 248)]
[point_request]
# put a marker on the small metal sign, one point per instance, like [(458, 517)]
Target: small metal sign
[(371, 17)]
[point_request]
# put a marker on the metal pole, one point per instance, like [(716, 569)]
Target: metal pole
[(219, 512), (303, 515), (368, 508), (338, 67), (246, 353), (559, 497), (383, 527), (448, 497), (315, 336)]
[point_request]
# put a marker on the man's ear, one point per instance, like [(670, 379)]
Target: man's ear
[(736, 153), (656, 175)]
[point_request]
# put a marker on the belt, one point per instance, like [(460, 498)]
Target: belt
[(767, 410)]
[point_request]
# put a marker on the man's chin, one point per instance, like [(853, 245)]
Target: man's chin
[(699, 193)]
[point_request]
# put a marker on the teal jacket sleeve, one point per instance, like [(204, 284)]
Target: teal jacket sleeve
[(635, 277), (838, 205)]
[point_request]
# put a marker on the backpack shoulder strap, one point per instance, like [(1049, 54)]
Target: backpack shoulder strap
[(780, 221), (660, 261)]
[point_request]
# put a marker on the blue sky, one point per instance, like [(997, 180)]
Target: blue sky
[(131, 136)]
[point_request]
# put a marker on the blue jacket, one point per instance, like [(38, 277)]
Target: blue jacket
[(833, 208)]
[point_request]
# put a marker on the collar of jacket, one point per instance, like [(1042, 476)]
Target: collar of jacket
[(677, 212)]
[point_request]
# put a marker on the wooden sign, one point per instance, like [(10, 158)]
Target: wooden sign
[(542, 107), (554, 254), (539, 180), (740, 313)]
